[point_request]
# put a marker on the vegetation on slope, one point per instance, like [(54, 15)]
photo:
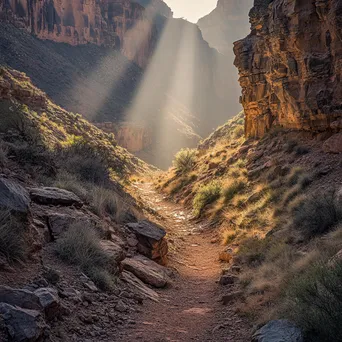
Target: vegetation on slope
[(42, 144), (277, 203)]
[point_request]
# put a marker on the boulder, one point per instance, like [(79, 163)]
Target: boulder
[(13, 197), (333, 144), (278, 331), (49, 301), (151, 240), (147, 270), (139, 287), (114, 251), (23, 325), (54, 196), (23, 298)]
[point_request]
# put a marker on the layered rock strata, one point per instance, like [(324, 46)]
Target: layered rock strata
[(290, 65)]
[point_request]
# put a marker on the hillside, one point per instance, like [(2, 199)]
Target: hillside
[(272, 202)]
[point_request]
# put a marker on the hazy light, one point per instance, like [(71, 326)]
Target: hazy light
[(190, 9)]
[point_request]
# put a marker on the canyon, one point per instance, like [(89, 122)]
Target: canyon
[(122, 61), (289, 66)]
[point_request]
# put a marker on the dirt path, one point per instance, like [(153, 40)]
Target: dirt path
[(190, 310)]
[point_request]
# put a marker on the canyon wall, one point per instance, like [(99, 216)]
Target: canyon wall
[(227, 23), (290, 65), (121, 24)]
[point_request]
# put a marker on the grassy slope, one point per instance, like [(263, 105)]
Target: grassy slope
[(264, 209), (58, 127)]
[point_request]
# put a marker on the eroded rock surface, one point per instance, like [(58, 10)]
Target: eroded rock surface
[(289, 65), (54, 196), (110, 23), (147, 270), (13, 196), (151, 240), (278, 331)]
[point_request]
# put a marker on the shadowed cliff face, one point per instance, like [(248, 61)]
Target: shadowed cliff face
[(122, 24), (289, 65), (227, 23)]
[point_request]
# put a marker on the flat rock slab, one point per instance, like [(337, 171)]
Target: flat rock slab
[(23, 298), (147, 270), (13, 196), (278, 331), (139, 287), (55, 196), (333, 144), (22, 325), (58, 223), (151, 240)]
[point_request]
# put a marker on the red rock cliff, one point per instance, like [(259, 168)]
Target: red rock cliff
[(290, 65), (123, 24)]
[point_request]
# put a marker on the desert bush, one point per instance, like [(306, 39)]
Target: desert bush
[(206, 195), (233, 189), (80, 246), (252, 251), (185, 160), (81, 159), (71, 182), (314, 302), (104, 201), (13, 244), (317, 214)]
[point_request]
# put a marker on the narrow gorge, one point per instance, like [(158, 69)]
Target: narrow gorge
[(170, 179)]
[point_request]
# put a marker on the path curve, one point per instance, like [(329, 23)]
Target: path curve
[(190, 310)]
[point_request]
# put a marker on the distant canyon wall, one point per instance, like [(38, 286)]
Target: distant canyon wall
[(227, 23), (290, 65), (121, 24)]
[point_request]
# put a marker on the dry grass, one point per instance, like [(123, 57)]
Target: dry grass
[(13, 244), (80, 246)]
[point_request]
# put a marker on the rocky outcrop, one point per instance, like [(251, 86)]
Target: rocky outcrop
[(151, 240), (147, 270), (289, 65), (133, 137), (13, 197), (122, 24), (54, 196), (278, 331)]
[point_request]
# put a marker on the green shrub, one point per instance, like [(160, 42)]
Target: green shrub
[(206, 195), (317, 214), (314, 302), (185, 160), (80, 246), (233, 189), (13, 244)]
